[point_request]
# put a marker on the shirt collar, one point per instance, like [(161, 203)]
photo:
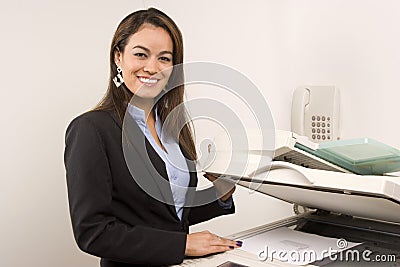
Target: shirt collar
[(139, 116)]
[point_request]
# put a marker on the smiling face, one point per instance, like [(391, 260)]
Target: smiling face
[(146, 61)]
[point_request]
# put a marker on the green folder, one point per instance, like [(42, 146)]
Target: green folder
[(364, 156)]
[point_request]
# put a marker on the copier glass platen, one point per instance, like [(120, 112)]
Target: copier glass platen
[(361, 209)]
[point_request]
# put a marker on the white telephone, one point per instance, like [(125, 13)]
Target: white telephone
[(315, 113)]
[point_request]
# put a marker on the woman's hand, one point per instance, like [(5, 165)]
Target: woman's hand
[(225, 189), (203, 243)]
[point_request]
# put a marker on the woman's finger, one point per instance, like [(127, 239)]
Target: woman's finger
[(220, 241)]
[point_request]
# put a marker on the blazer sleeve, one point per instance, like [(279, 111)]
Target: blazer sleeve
[(96, 230), (208, 211)]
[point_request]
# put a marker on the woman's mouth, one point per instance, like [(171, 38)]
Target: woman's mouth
[(148, 81)]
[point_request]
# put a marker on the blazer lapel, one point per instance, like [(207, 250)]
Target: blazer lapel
[(158, 185), (190, 194)]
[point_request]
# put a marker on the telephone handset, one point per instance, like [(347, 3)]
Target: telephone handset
[(315, 113)]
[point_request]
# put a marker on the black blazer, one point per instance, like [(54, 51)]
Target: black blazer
[(112, 217)]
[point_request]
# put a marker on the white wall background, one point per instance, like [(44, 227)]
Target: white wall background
[(55, 66)]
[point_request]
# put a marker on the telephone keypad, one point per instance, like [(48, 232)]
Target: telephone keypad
[(321, 128)]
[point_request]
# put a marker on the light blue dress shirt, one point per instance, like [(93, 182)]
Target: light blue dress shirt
[(175, 163)]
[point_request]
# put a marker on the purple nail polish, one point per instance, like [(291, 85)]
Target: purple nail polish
[(239, 243), (231, 247)]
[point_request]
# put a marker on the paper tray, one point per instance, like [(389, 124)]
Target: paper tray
[(362, 156)]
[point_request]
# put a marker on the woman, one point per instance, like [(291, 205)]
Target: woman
[(113, 217)]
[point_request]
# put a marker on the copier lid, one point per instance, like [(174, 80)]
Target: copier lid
[(323, 185), (373, 197)]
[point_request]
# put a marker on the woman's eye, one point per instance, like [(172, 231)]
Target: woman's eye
[(166, 59), (141, 55)]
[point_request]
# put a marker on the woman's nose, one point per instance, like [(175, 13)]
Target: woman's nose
[(151, 66)]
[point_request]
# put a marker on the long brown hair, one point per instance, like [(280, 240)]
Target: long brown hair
[(118, 98)]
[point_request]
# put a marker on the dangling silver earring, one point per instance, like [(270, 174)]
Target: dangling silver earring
[(118, 80)]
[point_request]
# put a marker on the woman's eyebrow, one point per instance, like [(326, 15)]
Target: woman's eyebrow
[(142, 47), (165, 52), (148, 50)]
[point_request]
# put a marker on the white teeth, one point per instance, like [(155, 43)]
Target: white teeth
[(147, 80)]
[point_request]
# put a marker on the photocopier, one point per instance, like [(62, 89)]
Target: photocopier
[(345, 189)]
